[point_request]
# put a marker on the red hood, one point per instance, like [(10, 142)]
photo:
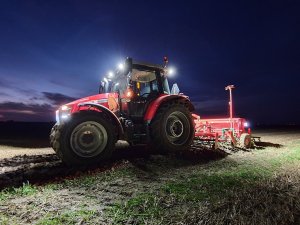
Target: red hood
[(98, 99)]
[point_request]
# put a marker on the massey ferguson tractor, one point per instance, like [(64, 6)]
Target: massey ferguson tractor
[(135, 104)]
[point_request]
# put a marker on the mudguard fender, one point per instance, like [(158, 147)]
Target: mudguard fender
[(113, 116), (153, 107)]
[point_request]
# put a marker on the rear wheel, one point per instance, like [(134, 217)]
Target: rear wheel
[(172, 128), (86, 139), (245, 140)]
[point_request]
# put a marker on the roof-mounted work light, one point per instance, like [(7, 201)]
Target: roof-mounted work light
[(121, 66), (110, 74)]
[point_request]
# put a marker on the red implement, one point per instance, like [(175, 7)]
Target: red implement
[(223, 129)]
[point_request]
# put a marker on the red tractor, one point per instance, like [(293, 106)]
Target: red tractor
[(134, 104)]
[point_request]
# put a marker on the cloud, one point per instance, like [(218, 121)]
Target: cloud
[(5, 83), (24, 108), (65, 84), (58, 98), (2, 82), (39, 107), (11, 90), (26, 112), (3, 94)]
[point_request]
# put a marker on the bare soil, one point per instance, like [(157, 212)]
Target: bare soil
[(131, 170), (19, 165)]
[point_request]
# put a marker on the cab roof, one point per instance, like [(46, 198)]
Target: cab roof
[(147, 66)]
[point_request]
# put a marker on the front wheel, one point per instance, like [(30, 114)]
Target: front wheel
[(172, 129), (86, 139)]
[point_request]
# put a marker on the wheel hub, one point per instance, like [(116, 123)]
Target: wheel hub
[(88, 139), (177, 128)]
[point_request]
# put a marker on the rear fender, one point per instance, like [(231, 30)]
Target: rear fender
[(103, 109), (154, 106)]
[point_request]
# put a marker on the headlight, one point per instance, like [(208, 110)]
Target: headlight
[(63, 113), (57, 116), (65, 107), (246, 124)]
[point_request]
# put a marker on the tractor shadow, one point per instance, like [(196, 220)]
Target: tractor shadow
[(39, 169), (263, 145), (154, 164), (48, 168)]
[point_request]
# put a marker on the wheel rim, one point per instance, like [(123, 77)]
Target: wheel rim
[(88, 139), (177, 128), (247, 141)]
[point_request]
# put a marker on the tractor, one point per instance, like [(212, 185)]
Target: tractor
[(134, 104)]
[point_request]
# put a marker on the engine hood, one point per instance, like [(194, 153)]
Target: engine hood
[(96, 99)]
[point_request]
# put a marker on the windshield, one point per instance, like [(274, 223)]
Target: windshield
[(141, 81), (118, 84), (142, 76), (144, 88)]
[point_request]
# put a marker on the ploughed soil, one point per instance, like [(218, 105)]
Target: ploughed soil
[(131, 170), (25, 155), (19, 165)]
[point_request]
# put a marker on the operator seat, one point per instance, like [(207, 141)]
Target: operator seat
[(138, 106)]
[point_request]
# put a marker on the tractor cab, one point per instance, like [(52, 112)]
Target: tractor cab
[(136, 85)]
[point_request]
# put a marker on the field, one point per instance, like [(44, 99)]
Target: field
[(202, 186)]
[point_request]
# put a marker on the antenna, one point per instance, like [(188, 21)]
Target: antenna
[(166, 60), (229, 88)]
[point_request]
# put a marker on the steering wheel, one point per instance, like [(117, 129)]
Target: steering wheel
[(145, 94)]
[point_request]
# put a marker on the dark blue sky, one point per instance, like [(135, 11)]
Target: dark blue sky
[(54, 51)]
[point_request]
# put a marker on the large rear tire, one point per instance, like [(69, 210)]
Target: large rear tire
[(245, 141), (86, 139), (172, 128)]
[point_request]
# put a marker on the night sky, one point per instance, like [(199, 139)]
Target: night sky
[(54, 51)]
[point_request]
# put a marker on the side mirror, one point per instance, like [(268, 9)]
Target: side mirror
[(128, 65), (101, 88), (175, 89)]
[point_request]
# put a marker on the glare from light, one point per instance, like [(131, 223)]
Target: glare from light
[(129, 93), (171, 71), (64, 107), (121, 66), (65, 116), (246, 124), (105, 79), (110, 74), (117, 84), (57, 116)]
